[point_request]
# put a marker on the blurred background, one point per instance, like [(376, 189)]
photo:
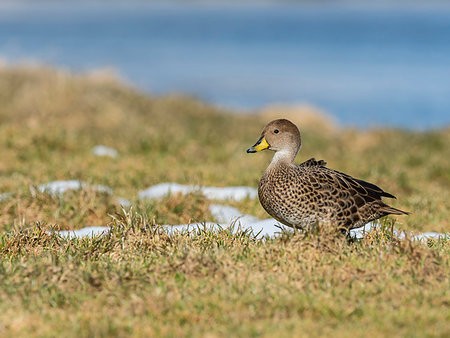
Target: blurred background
[(383, 64)]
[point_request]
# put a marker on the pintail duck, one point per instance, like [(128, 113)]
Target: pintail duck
[(303, 195)]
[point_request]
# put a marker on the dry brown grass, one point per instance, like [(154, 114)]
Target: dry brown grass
[(138, 281)]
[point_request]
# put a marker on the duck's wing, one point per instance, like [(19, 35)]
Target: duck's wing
[(367, 196), (362, 188), (345, 188), (344, 181)]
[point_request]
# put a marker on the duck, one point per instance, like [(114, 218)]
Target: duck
[(302, 196)]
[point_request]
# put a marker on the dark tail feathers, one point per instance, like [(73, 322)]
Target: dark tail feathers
[(393, 211)]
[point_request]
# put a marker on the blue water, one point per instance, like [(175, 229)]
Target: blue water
[(365, 66)]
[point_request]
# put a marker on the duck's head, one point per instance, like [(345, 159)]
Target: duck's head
[(279, 135)]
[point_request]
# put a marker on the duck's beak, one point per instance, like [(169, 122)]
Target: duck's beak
[(260, 145)]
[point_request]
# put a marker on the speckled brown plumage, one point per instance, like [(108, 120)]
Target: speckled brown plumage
[(303, 195)]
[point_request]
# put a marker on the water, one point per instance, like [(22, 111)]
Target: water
[(365, 66)]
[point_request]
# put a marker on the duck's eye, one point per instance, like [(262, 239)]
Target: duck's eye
[(276, 131)]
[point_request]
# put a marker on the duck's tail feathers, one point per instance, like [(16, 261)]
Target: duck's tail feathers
[(393, 211)]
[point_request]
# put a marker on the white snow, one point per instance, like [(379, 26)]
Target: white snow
[(56, 188), (101, 150), (214, 193), (260, 229), (226, 214), (267, 228), (428, 235), (360, 232), (85, 232), (123, 201), (5, 195)]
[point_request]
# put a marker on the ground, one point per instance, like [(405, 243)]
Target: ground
[(139, 281)]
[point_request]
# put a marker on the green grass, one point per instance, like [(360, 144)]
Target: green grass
[(137, 281)]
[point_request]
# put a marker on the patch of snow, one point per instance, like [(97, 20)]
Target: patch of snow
[(429, 235), (101, 150), (123, 201), (234, 193), (359, 233), (85, 232), (226, 214), (229, 217), (5, 195), (56, 188), (260, 229)]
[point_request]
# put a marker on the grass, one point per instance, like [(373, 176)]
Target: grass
[(137, 281)]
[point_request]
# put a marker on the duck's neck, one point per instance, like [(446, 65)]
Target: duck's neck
[(283, 157)]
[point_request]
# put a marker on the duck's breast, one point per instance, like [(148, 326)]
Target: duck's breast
[(284, 197)]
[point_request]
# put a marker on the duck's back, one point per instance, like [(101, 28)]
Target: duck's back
[(300, 196)]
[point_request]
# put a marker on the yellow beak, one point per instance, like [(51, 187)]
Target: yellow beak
[(260, 145)]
